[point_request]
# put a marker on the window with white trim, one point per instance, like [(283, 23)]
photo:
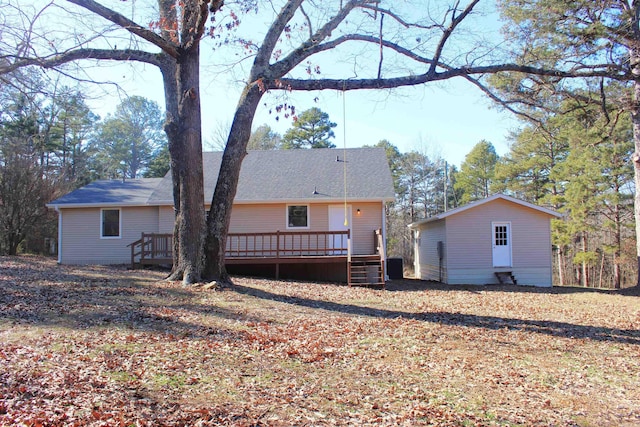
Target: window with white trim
[(298, 216), (110, 223)]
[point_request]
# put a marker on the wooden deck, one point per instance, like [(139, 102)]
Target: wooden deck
[(279, 248)]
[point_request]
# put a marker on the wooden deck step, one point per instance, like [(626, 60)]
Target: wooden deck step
[(506, 278), (366, 271)]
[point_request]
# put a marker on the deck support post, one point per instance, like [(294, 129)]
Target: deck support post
[(277, 255)]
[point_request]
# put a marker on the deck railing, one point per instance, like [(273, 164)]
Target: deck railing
[(154, 248), (283, 244)]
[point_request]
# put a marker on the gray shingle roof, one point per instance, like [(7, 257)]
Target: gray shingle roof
[(288, 175), (134, 192)]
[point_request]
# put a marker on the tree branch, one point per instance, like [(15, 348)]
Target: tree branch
[(412, 80), (498, 100), (271, 38), (129, 25), (304, 13), (73, 55), (193, 28), (399, 18), (455, 21), (310, 46)]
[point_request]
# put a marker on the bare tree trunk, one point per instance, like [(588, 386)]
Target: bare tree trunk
[(185, 147), (169, 76), (221, 204)]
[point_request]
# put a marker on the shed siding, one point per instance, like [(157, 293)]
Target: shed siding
[(81, 242), (533, 276), (469, 237), (428, 267), (469, 234)]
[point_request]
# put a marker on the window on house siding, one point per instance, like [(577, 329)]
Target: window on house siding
[(297, 216), (110, 223)]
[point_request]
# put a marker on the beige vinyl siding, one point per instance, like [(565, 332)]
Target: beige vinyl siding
[(364, 226), (250, 218), (263, 218), (260, 218), (469, 234), (531, 276), (166, 219), (81, 242), (534, 276), (472, 276), (469, 237), (429, 263)]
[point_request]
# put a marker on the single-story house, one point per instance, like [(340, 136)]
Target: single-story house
[(311, 214), (499, 239)]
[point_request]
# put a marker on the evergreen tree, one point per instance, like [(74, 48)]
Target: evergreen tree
[(477, 172), (576, 162), (528, 170), (312, 129), (264, 138), (159, 164), (596, 173), (582, 35), (128, 139), (70, 129)]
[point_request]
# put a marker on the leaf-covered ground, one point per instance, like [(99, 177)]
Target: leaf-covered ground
[(105, 346)]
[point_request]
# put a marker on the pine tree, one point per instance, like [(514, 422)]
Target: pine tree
[(477, 172), (312, 129)]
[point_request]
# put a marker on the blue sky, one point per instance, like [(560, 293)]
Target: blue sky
[(445, 119)]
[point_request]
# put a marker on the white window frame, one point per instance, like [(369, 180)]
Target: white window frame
[(286, 216), (102, 236)]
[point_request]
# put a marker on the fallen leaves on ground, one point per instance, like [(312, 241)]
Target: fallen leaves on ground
[(105, 346)]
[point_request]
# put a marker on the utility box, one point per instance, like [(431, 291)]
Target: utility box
[(394, 268)]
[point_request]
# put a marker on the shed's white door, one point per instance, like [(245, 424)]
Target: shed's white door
[(501, 244), (336, 223)]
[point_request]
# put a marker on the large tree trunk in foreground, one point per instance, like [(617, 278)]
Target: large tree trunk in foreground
[(168, 68), (185, 147), (225, 192)]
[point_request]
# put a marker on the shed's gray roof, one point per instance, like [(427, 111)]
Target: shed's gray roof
[(489, 199), (133, 192), (275, 176)]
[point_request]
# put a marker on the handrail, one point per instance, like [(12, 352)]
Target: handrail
[(161, 247), (277, 244)]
